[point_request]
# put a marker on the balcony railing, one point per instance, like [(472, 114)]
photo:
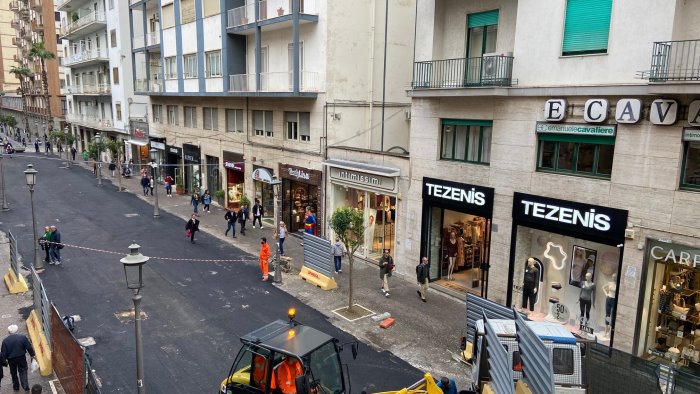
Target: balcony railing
[(274, 82), (268, 9), (89, 120), (88, 19), (147, 86), (465, 72), (86, 56), (37, 25), (103, 88), (14, 5), (152, 38), (674, 61), (35, 4)]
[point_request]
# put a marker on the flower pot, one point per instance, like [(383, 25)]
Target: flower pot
[(180, 190), (280, 11), (244, 21)]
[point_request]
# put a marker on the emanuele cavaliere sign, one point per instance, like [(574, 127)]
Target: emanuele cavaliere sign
[(692, 135)]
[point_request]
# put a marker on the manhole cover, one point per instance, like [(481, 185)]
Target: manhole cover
[(356, 313), (127, 316)]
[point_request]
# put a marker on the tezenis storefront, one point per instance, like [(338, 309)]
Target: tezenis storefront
[(565, 263)]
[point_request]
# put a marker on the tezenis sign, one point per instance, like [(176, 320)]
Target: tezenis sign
[(470, 198)]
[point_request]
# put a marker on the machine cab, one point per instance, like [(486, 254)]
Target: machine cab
[(287, 358)]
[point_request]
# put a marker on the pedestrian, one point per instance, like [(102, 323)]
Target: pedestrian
[(169, 186), (447, 385), (310, 222), (242, 217), (36, 145), (73, 151), (195, 203), (230, 217), (14, 347), (281, 236), (206, 200), (192, 227), (112, 167), (386, 266), (151, 184), (37, 389), (144, 172), (264, 257), (338, 252), (3, 364), (145, 184), (55, 247), (24, 142), (257, 213), (422, 276), (44, 243)]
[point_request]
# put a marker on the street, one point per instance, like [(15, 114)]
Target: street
[(196, 310)]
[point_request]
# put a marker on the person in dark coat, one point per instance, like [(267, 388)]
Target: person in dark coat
[(55, 247), (14, 347), (145, 184), (386, 265), (242, 217), (258, 211), (422, 275), (231, 221), (192, 226)]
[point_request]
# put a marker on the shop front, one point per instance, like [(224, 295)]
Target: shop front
[(670, 306), (213, 174), (192, 168), (173, 157), (264, 191), (138, 147), (565, 263), (371, 190), (158, 154), (235, 178), (456, 234), (301, 188)]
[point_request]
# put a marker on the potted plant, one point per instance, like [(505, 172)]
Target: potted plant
[(244, 21), (280, 11), (179, 185), (245, 201), (74, 17), (220, 194)]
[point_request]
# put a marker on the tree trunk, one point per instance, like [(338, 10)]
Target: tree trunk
[(350, 303), (119, 172)]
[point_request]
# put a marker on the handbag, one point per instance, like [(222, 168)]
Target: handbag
[(188, 232)]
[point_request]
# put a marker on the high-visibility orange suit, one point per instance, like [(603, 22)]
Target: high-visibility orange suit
[(285, 374), (264, 256)]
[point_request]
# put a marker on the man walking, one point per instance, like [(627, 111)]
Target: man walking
[(192, 226), (257, 213), (242, 217), (145, 184), (386, 265), (338, 252), (422, 274), (230, 217), (73, 151), (13, 349), (55, 247)]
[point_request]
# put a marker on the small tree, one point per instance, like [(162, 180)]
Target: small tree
[(11, 121), (348, 225), (115, 149)]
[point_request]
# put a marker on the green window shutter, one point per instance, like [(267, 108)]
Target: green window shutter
[(583, 139), (485, 18), (586, 26), (464, 122)]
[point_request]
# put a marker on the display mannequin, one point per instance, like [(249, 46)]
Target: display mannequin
[(530, 284), (609, 289), (586, 297), (451, 253)]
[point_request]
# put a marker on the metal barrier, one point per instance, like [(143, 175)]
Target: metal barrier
[(42, 305), (318, 254), (92, 385), (67, 356), (14, 257)]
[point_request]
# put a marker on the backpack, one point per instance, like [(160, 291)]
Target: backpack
[(69, 321)]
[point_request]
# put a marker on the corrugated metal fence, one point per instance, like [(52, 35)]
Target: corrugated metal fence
[(318, 254), (14, 256), (42, 305)]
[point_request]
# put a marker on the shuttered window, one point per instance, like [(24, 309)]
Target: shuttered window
[(586, 27), (486, 18)]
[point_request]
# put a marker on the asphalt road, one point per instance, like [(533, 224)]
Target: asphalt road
[(196, 310)]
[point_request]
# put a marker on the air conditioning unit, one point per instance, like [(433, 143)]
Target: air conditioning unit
[(496, 68)]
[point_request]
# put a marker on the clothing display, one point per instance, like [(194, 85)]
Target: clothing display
[(586, 298), (530, 284)]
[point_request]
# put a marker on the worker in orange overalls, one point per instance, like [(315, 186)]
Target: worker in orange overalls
[(285, 374), (264, 257)]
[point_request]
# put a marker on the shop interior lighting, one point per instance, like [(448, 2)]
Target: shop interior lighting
[(552, 260)]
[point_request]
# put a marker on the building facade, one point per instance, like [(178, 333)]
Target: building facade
[(568, 183), (10, 83)]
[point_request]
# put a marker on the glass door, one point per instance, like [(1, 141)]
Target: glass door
[(480, 40), (434, 242)]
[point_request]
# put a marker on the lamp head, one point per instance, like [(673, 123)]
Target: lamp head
[(133, 263), (30, 174)]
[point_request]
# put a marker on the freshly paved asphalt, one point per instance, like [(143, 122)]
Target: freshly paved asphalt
[(196, 310)]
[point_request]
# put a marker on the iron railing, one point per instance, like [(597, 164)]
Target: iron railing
[(92, 384), (674, 61), (15, 262), (463, 72), (42, 305), (275, 82)]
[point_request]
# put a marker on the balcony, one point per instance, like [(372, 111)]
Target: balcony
[(72, 5), (274, 82), (24, 14), (16, 41), (674, 61), (151, 39), (482, 71), (272, 14), (148, 86), (87, 24), (89, 89), (37, 26), (15, 58), (93, 121), (14, 5), (26, 33), (35, 4), (86, 58)]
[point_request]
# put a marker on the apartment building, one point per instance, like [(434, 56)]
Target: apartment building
[(9, 83), (555, 145), (245, 91), (100, 87), (37, 105)]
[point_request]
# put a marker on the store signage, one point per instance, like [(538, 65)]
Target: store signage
[(298, 173), (555, 110), (574, 128), (138, 133), (362, 178), (694, 113), (628, 111), (662, 112), (312, 177), (262, 175), (691, 135), (175, 151), (458, 195), (572, 217), (233, 165), (596, 111), (677, 254), (157, 145)]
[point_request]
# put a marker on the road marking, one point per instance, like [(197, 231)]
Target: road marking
[(131, 215)]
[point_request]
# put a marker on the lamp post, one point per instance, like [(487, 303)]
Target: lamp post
[(133, 271), (2, 178), (98, 139), (46, 133), (154, 165), (278, 199), (30, 174), (68, 150)]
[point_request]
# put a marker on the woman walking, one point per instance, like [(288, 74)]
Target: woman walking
[(192, 227), (281, 235), (206, 200), (195, 203)]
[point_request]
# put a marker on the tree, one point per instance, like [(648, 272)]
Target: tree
[(115, 149), (348, 225), (39, 52), (21, 73)]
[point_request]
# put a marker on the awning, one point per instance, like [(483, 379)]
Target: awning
[(362, 167), (138, 143)]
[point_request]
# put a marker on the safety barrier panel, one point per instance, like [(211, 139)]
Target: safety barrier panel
[(67, 356), (39, 325), (318, 262), (13, 278)]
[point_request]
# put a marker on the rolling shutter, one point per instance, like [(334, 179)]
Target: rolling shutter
[(485, 18), (586, 26)]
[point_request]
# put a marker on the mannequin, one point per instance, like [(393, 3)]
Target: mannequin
[(609, 289), (451, 253), (587, 297), (530, 284)]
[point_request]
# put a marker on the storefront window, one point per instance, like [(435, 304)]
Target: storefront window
[(235, 187), (297, 196), (691, 165), (266, 194)]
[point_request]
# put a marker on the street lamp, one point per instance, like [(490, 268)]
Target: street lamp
[(156, 213), (98, 138), (133, 271), (30, 174), (2, 178), (67, 148), (278, 199), (46, 133)]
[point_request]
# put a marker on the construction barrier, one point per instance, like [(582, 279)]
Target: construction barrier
[(39, 325), (13, 278), (318, 265)]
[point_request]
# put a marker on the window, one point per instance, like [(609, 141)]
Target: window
[(167, 14), (115, 75), (157, 113), (586, 27), (189, 64), (171, 67), (691, 163), (173, 116), (118, 110), (111, 4), (211, 118), (575, 154), (190, 117), (262, 123), (187, 12), (211, 7), (212, 62), (234, 120), (563, 361), (298, 126), (113, 38), (466, 140)]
